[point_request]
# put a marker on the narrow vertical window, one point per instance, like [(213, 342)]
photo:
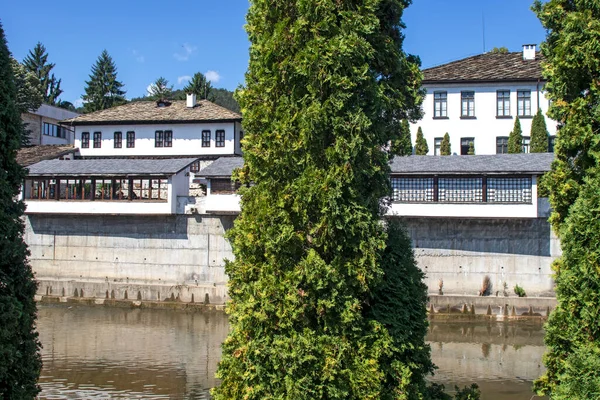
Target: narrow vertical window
[(168, 138), (97, 140), (465, 143), (220, 138), (437, 146), (440, 105), (501, 144), (118, 140), (206, 138), (130, 139), (467, 104), (85, 140), (158, 138), (503, 103), (526, 141), (551, 142), (524, 103)]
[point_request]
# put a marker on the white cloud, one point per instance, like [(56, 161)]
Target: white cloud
[(184, 78), (78, 103), (185, 54), (138, 57), (212, 76)]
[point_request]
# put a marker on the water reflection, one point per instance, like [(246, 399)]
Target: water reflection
[(97, 352)]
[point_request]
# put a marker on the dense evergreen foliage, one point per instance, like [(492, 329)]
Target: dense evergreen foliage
[(327, 86), (160, 90), (36, 62), (403, 145), (471, 151), (445, 148), (20, 362), (29, 92), (103, 90), (421, 148), (572, 70), (515, 139), (539, 134), (199, 86)]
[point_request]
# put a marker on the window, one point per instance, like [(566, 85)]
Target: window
[(465, 143), (509, 190), (460, 190), (220, 138), (440, 104), (551, 143), (85, 140), (223, 186), (168, 138), (97, 140), (411, 189), (195, 166), (118, 140), (130, 139), (437, 146), (468, 104), (205, 138), (158, 138), (524, 103), (525, 143), (54, 130), (501, 144), (503, 103)]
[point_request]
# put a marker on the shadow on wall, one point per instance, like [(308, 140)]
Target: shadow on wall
[(530, 237)]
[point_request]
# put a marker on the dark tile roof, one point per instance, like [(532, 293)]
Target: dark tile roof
[(222, 167), (31, 155), (149, 112), (110, 167), (485, 164), (487, 67)]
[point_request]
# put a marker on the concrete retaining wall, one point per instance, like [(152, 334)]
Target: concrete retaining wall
[(146, 257)]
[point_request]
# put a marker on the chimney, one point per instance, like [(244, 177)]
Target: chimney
[(191, 100), (529, 52)]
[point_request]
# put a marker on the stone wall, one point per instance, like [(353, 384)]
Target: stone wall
[(147, 257)]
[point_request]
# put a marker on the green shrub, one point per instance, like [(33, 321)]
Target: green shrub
[(519, 291)]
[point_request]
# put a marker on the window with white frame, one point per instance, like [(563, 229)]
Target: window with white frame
[(437, 146), (524, 103), (526, 141), (503, 103), (440, 104), (467, 104)]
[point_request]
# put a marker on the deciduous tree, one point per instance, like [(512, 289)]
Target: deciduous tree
[(445, 148), (539, 133), (20, 361), (36, 62), (515, 139), (421, 148), (103, 90)]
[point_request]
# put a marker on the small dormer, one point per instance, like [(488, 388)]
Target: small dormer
[(529, 52)]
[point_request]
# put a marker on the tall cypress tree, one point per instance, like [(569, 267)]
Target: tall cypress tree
[(36, 62), (421, 147), (20, 361), (103, 90), (445, 148), (539, 133), (515, 139), (325, 85), (572, 332)]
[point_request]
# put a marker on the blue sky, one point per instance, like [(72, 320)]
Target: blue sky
[(175, 39)]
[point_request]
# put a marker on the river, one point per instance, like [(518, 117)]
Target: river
[(102, 353)]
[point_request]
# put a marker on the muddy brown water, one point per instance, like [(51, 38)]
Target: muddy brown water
[(103, 353)]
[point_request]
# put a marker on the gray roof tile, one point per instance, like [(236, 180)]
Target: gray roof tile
[(110, 167), (222, 167)]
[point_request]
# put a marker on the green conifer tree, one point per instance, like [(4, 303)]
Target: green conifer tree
[(572, 338), (421, 148), (199, 86), (20, 361), (403, 145), (160, 89), (539, 133), (103, 90), (308, 241), (445, 148), (515, 139), (471, 151), (36, 62)]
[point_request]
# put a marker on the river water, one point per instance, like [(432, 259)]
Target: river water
[(102, 353)]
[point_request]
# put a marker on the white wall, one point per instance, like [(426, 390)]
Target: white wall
[(238, 146), (187, 140), (222, 203), (485, 127)]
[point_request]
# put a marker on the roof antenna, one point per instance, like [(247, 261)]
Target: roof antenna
[(483, 29)]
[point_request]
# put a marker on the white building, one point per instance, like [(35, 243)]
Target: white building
[(45, 128), (477, 99)]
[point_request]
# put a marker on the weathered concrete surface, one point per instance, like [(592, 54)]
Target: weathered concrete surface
[(130, 257), (461, 252), (500, 307)]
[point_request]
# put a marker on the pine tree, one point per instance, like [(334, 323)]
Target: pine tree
[(573, 334), (20, 361), (539, 134), (103, 90), (445, 148), (403, 145), (322, 97), (36, 62), (421, 148), (471, 151), (515, 139), (199, 86), (29, 94), (160, 89)]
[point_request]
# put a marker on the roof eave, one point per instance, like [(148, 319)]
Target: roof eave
[(149, 122), (468, 172), (462, 81)]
